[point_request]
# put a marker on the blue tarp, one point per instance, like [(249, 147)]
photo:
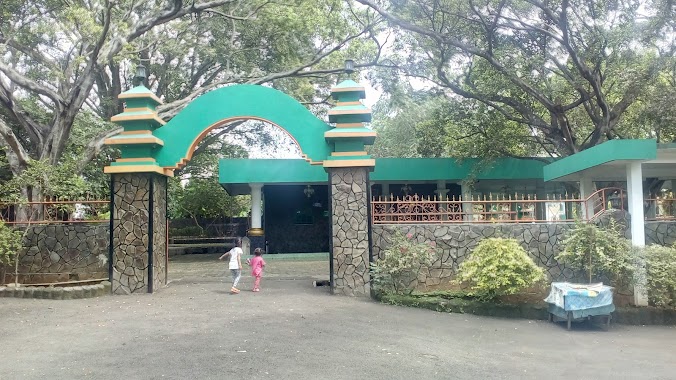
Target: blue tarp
[(580, 299)]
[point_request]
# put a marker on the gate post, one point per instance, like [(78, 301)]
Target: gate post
[(349, 205), (139, 220), (348, 168), (138, 214)]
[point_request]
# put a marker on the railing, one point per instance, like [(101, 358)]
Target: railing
[(54, 211), (494, 208)]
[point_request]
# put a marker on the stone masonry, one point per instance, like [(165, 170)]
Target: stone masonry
[(349, 205), (132, 195), (63, 252), (542, 241), (456, 242)]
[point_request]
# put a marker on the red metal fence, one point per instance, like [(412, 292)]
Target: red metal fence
[(517, 208), (55, 211)]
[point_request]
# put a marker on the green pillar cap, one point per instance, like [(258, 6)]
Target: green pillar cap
[(349, 135), (136, 142)]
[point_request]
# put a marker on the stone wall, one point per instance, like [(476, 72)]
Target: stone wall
[(135, 197), (662, 233), (349, 205), (456, 242), (541, 241), (63, 252)]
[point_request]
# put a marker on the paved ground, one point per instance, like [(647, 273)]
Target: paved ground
[(195, 330)]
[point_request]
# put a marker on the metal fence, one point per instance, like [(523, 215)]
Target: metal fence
[(54, 210), (517, 208)]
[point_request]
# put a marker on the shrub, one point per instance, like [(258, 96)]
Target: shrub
[(597, 252), (401, 263), (499, 266), (661, 275), (10, 243)]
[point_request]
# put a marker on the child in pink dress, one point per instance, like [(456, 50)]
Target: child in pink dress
[(257, 264)]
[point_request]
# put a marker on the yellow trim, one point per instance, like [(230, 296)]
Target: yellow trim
[(139, 132), (349, 163), (349, 134), (348, 89), (355, 103), (350, 112), (349, 125), (140, 140), (343, 154), (138, 109), (123, 117), (255, 232), (188, 155), (141, 95), (141, 159), (137, 169)]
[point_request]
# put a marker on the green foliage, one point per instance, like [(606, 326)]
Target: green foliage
[(204, 198), (400, 264), (661, 275), (10, 242), (499, 266), (186, 231), (55, 181), (519, 80), (598, 253)]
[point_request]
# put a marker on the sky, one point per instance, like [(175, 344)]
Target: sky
[(286, 147)]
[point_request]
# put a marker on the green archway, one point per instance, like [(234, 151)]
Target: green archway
[(152, 149), (148, 141), (213, 109)]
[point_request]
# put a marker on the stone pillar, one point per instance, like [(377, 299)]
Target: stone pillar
[(635, 194), (466, 196), (256, 233), (442, 194), (139, 232), (386, 191), (586, 190), (349, 205)]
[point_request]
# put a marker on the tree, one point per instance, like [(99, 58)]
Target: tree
[(62, 58), (565, 71), (202, 196)]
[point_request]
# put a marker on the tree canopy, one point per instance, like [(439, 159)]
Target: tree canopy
[(62, 61), (562, 75)]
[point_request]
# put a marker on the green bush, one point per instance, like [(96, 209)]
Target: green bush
[(597, 253), (499, 266), (10, 243), (401, 263), (661, 275)]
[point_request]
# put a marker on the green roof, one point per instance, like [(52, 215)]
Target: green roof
[(348, 83), (427, 169), (236, 174), (613, 150)]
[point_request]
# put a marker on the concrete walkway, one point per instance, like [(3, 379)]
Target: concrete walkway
[(194, 329)]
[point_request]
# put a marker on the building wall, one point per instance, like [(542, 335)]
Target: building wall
[(293, 222)]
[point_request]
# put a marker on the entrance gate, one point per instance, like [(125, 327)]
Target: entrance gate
[(152, 149)]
